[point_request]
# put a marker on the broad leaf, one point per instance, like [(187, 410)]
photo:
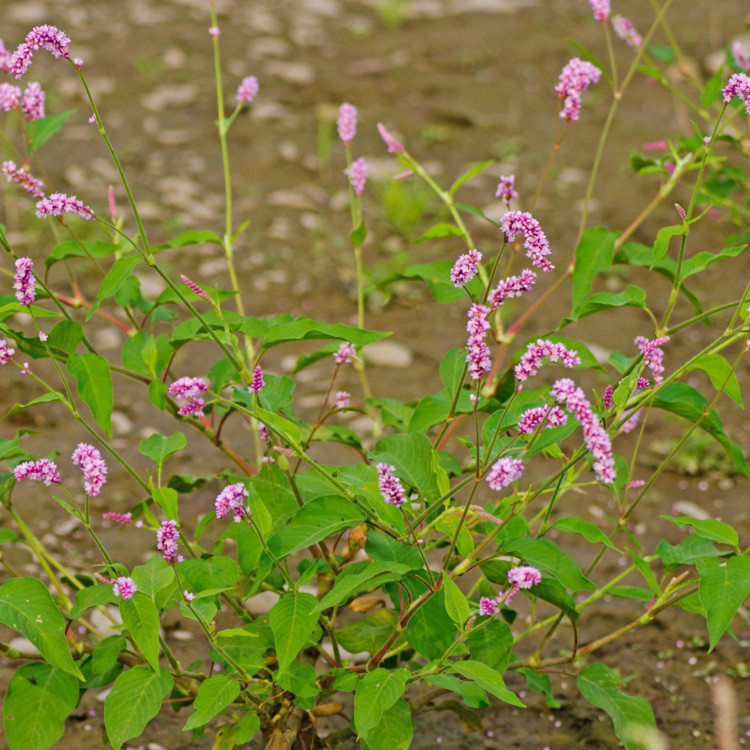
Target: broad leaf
[(430, 630), (491, 644), (160, 447), (94, 386), (91, 596), (213, 574), (487, 678), (724, 586), (721, 375), (141, 618), (153, 576), (292, 620), (304, 329), (455, 602), (717, 531), (593, 256), (547, 556), (377, 691), (661, 244), (363, 575), (585, 528), (214, 695), (633, 296), (121, 271), (41, 130), (393, 732)]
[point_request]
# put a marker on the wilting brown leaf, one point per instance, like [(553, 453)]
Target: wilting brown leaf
[(327, 709), (366, 602)]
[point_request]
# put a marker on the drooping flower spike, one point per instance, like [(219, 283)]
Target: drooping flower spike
[(42, 470), (575, 78), (45, 37), (505, 190), (394, 146), (465, 268), (58, 204), (232, 498), (535, 241), (93, 467), (21, 177)]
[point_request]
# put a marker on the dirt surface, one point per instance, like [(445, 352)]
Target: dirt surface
[(460, 81)]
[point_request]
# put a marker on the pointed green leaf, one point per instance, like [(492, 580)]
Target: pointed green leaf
[(633, 296), (724, 586), (599, 685), (540, 681), (473, 695), (160, 447), (94, 386), (491, 644), (41, 130), (65, 336), (213, 574), (661, 244), (121, 271), (430, 630), (141, 618), (91, 596), (547, 556), (286, 430), (593, 256), (487, 678), (304, 329), (377, 691), (45, 398), (134, 700), (38, 700), (468, 174), (720, 372), (718, 531), (394, 730), (153, 576), (585, 528), (106, 653), (166, 498), (359, 235), (455, 602), (292, 619), (27, 606), (357, 576), (369, 633), (442, 229), (214, 695)]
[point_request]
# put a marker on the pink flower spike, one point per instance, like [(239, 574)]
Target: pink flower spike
[(10, 97), (342, 399), (505, 190), (45, 37), (122, 518), (537, 352), (357, 174), (24, 281), (488, 606), (23, 178), (347, 123), (247, 90), (513, 286), (5, 352), (738, 86), (194, 287), (42, 470), (93, 467), (233, 497), (4, 57), (111, 201), (394, 146), (390, 485), (166, 540), (187, 387), (652, 355), (58, 204), (124, 587), (607, 399), (465, 268), (535, 241), (257, 382), (524, 576), (345, 354), (600, 9), (575, 78), (624, 28), (504, 471), (32, 103), (478, 356), (739, 55)]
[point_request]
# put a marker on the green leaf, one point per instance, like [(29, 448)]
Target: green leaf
[(358, 235), (141, 618), (38, 700), (304, 329), (153, 576), (430, 630), (711, 89), (94, 386), (385, 548), (585, 528), (599, 685), (286, 430), (591, 58), (41, 130), (455, 602), (473, 695), (159, 447), (377, 691), (369, 633), (552, 591), (593, 256), (468, 174), (437, 277), (134, 700), (314, 521), (442, 229), (213, 574), (292, 619), (299, 679), (720, 372), (487, 678), (547, 556), (65, 336), (393, 732), (363, 575), (91, 596), (633, 296), (45, 398), (661, 244), (723, 587), (702, 260), (121, 271), (27, 606), (246, 727), (415, 460), (540, 681), (491, 644), (106, 653), (717, 531), (214, 695), (276, 393), (686, 402), (191, 237), (452, 369), (166, 499), (643, 567)]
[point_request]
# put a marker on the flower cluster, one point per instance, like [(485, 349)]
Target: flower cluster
[(257, 382), (166, 540), (93, 467), (357, 174), (10, 97), (394, 147), (44, 37), (532, 358), (4, 57), (535, 241), (21, 177), (575, 78), (123, 518), (478, 355), (607, 398), (738, 86), (233, 497), (42, 470), (465, 268), (6, 352), (32, 103), (740, 56), (124, 587), (522, 577), (247, 90), (600, 9), (345, 353), (504, 471), (390, 485), (189, 389), (595, 436), (341, 399), (652, 355), (24, 282), (263, 433), (624, 28), (505, 190), (347, 123), (513, 286), (58, 204), (531, 419)]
